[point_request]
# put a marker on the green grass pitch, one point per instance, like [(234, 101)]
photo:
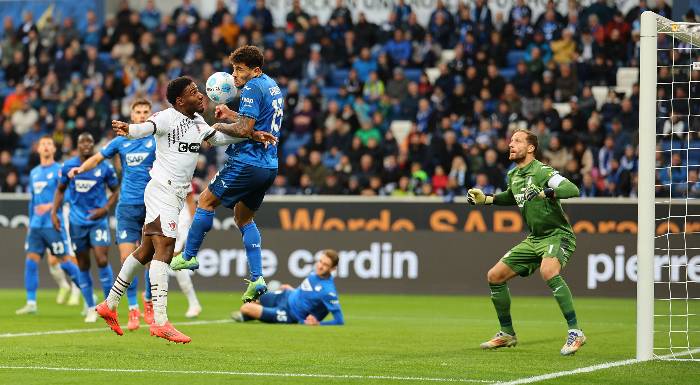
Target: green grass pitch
[(386, 340)]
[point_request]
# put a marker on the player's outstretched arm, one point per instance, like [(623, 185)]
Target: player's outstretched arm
[(88, 165), (477, 197), (134, 131), (222, 112), (337, 319), (558, 187), (240, 127)]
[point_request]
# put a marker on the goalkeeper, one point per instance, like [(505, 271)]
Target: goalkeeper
[(536, 188)]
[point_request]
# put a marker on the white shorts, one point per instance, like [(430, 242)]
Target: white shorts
[(166, 202), (185, 220)]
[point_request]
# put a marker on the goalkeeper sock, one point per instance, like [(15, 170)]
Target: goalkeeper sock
[(201, 223), (500, 296), (562, 294)]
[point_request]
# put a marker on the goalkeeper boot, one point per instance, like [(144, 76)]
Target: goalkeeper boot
[(500, 340), (169, 333), (134, 319), (63, 292), (574, 341), (255, 290), (179, 263), (110, 316), (29, 308)]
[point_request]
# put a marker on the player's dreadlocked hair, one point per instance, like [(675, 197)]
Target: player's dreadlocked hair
[(249, 55), (175, 88)]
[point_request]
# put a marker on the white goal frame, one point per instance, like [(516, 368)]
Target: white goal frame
[(651, 25)]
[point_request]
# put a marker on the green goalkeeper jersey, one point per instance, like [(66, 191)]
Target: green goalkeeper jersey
[(544, 217)]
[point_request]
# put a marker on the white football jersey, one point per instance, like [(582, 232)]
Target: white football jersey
[(178, 139)]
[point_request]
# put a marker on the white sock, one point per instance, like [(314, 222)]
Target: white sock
[(58, 275), (159, 291), (130, 268), (184, 279), (74, 288), (31, 302)]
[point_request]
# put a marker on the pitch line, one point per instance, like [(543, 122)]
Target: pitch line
[(588, 369), (93, 330), (252, 374)]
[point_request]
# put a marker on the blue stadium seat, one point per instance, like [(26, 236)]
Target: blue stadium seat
[(329, 92), (413, 74), (514, 57), (339, 76), (507, 73)]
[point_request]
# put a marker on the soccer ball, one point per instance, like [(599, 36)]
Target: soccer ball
[(220, 87)]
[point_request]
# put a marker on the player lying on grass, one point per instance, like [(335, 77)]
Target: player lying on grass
[(179, 132), (309, 303), (536, 188)]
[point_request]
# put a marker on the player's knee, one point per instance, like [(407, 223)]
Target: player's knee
[(548, 272), (248, 309), (495, 276), (207, 201)]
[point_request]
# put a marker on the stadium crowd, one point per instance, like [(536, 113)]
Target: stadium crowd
[(345, 83)]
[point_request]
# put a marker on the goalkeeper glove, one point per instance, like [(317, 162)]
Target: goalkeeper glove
[(532, 192), (477, 197)]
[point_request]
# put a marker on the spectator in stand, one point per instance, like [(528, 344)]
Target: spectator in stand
[(399, 49)]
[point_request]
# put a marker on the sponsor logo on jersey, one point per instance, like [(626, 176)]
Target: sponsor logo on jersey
[(247, 100), (188, 147), (38, 187), (136, 158), (84, 185)]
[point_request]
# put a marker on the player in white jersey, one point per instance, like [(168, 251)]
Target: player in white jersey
[(179, 132)]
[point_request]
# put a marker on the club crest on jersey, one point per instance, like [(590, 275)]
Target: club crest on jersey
[(98, 173), (149, 144), (39, 186), (125, 145), (318, 287), (49, 175), (122, 235), (135, 158), (84, 185), (172, 225)]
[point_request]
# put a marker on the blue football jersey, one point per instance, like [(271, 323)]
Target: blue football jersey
[(315, 296), (262, 100), (137, 158), (87, 190), (43, 181)]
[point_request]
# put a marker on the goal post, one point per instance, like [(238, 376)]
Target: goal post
[(668, 269), (646, 186)]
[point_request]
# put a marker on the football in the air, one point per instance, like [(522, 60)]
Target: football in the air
[(220, 87)]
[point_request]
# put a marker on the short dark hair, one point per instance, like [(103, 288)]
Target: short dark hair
[(249, 55), (46, 136), (86, 135), (140, 102), (530, 137), (176, 87), (333, 255)]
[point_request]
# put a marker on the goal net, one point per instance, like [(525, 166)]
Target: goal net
[(668, 292)]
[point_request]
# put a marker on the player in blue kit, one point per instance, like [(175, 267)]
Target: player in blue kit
[(41, 235), (89, 212), (250, 169), (309, 303)]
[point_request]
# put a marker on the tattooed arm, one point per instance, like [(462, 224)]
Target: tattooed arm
[(241, 127)]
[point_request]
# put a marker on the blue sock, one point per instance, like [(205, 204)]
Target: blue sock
[(31, 278), (71, 269), (106, 279), (251, 242), (131, 292), (201, 224), (147, 285), (86, 287)]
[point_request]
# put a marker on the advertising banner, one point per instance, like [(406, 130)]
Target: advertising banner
[(423, 262)]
